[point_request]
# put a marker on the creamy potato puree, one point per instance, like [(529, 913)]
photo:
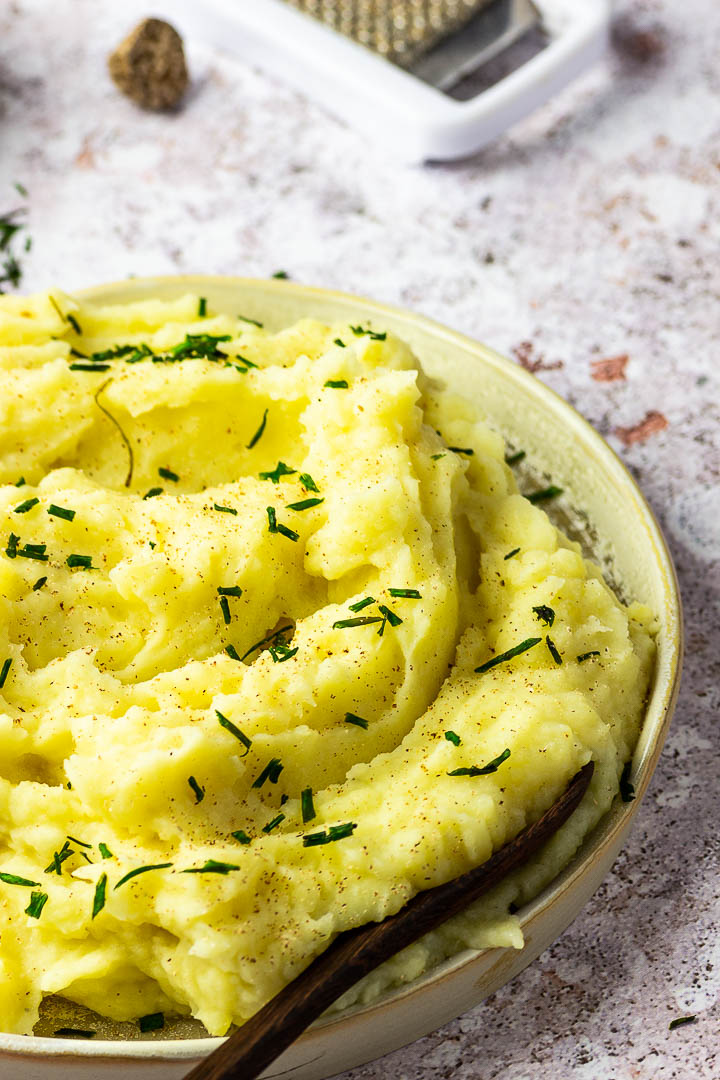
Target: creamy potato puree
[(246, 582)]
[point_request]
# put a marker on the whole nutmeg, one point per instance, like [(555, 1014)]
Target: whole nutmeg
[(149, 65)]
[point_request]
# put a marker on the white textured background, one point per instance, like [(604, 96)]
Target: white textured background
[(590, 233)]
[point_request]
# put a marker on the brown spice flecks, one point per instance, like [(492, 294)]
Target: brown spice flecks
[(149, 65), (609, 370), (524, 353), (653, 423)]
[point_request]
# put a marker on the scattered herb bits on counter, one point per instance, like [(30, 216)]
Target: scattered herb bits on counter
[(282, 633)]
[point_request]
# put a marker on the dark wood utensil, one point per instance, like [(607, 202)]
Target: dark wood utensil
[(356, 952)]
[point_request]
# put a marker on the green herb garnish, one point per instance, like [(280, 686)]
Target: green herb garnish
[(21, 189), (100, 896), (61, 512), (281, 275), (462, 450), (543, 494), (33, 551), (308, 483), (13, 879), (74, 1033), (79, 366), (511, 554), (281, 469), (80, 843), (82, 562), (11, 549), (105, 851), (230, 590), (168, 474), (680, 1020), (361, 620), (274, 823), (483, 770), (388, 617), (627, 788), (241, 836), (335, 832), (198, 791), (337, 384), (586, 655), (513, 459), (436, 457), (280, 651), (225, 509), (116, 423), (4, 671), (553, 650), (362, 603), (195, 347), (275, 527), (59, 857), (304, 504), (232, 652), (406, 594), (153, 1021), (307, 806), (502, 657), (38, 900), (39, 583), (253, 322), (271, 772), (340, 342), (142, 870), (21, 482), (25, 506), (453, 738), (258, 434), (358, 331), (225, 608), (267, 640), (545, 614), (229, 726), (212, 866), (351, 718), (202, 307), (152, 493)]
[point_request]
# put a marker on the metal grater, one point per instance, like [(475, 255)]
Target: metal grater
[(393, 68), (439, 41)]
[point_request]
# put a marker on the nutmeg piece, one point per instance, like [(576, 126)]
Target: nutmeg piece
[(149, 65)]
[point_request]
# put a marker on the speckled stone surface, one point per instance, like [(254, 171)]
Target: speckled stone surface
[(585, 243)]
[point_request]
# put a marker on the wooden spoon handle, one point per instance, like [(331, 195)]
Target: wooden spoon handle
[(356, 952)]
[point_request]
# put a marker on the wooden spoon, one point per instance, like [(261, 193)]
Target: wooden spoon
[(354, 953)]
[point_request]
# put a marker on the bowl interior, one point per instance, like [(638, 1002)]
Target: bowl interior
[(609, 516)]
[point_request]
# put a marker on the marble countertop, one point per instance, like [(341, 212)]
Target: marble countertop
[(585, 244)]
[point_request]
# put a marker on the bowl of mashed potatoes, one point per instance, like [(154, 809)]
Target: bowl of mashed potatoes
[(308, 604)]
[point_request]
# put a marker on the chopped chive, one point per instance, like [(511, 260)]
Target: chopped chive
[(105, 851), (335, 832), (11, 549), (212, 866), (362, 620), (59, 857), (281, 652), (232, 652), (337, 384), (545, 614), (225, 509), (230, 590), (436, 457), (21, 189), (4, 671), (152, 493), (281, 275), (513, 459), (586, 655), (271, 772), (241, 836), (142, 870), (21, 482), (553, 649), (258, 434), (543, 494), (511, 554), (362, 603), (89, 367), (100, 895), (25, 506), (229, 726), (272, 519), (274, 823), (627, 789), (198, 791), (462, 450), (306, 805), (340, 342), (391, 617), (308, 483), (38, 900), (253, 322), (249, 363), (358, 331), (168, 474), (680, 1020), (39, 583), (13, 879), (83, 562), (502, 657), (74, 323), (74, 1033), (453, 738), (195, 347), (351, 718), (116, 423), (225, 608), (483, 770), (153, 1021), (406, 594), (33, 551), (275, 527), (80, 843), (202, 307), (281, 469), (304, 504), (266, 640), (61, 512)]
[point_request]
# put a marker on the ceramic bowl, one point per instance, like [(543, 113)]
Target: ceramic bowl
[(609, 515)]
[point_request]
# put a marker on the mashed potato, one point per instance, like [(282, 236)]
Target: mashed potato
[(281, 645)]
